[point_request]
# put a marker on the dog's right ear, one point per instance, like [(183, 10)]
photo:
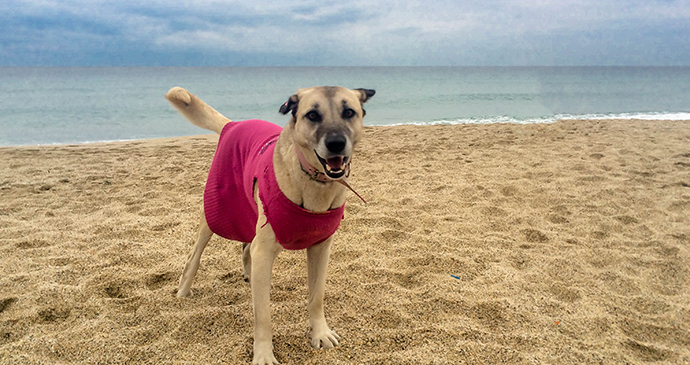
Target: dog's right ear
[(290, 105)]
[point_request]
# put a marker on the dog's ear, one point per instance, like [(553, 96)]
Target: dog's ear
[(365, 94), (290, 105)]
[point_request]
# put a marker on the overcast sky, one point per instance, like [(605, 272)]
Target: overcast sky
[(344, 33)]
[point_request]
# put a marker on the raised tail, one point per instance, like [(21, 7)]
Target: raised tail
[(195, 110)]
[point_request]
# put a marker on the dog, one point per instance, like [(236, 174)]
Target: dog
[(287, 192)]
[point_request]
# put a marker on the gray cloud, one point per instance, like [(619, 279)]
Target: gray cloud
[(433, 32)]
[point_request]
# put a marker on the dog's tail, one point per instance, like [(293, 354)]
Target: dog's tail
[(195, 110)]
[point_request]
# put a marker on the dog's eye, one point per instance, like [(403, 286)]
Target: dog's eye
[(313, 116), (348, 113)]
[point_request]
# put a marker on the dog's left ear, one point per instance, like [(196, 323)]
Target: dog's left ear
[(290, 105), (365, 94)]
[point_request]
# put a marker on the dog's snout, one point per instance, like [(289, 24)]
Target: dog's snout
[(336, 143)]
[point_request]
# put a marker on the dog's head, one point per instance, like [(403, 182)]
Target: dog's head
[(326, 124)]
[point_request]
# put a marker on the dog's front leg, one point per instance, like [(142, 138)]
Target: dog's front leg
[(317, 264), (263, 249)]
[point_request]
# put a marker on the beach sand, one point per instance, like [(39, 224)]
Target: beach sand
[(554, 243)]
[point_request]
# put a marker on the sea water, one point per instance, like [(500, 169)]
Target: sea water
[(89, 104)]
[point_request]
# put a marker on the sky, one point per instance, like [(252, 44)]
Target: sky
[(344, 33)]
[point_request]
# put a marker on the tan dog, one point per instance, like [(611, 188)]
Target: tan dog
[(326, 125)]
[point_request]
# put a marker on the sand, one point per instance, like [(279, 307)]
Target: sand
[(558, 243)]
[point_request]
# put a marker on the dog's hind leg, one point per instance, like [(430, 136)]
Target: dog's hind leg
[(192, 265), (246, 260)]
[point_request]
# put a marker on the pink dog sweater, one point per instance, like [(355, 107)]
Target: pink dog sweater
[(244, 155)]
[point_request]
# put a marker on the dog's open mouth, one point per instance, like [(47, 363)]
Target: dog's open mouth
[(334, 166)]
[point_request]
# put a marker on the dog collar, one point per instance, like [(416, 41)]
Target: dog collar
[(313, 172), (317, 175)]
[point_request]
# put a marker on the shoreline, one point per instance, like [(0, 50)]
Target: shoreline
[(547, 243), (441, 123), (105, 142)]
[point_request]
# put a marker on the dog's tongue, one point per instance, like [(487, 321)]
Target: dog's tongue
[(335, 163)]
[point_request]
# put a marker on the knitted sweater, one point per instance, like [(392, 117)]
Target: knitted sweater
[(245, 155)]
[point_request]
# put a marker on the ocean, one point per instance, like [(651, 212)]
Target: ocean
[(44, 105)]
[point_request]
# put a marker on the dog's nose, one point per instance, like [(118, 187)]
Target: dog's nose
[(336, 143)]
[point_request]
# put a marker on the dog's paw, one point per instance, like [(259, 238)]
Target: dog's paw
[(184, 294), (265, 359), (184, 289), (326, 339)]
